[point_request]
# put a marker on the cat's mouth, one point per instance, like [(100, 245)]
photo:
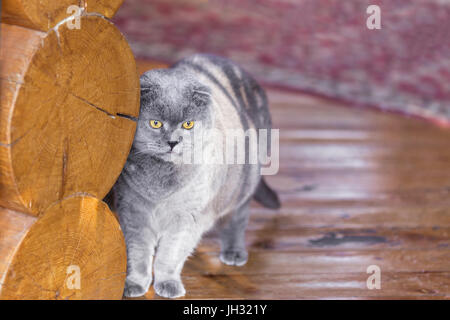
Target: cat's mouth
[(175, 152), (171, 156)]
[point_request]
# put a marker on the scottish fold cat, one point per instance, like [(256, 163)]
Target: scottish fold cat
[(166, 199)]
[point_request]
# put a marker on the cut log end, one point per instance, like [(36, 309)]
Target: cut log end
[(75, 250), (62, 129)]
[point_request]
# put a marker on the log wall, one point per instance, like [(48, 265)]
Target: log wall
[(69, 99)]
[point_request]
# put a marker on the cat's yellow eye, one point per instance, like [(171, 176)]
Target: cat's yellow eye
[(155, 124), (188, 124)]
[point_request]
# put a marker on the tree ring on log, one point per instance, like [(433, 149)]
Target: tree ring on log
[(75, 250), (68, 102)]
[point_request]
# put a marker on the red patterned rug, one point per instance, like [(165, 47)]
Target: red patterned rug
[(319, 46)]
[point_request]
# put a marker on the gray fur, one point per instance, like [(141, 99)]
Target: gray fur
[(164, 207)]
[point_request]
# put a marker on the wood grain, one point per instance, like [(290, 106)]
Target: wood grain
[(278, 238), (35, 253), (43, 15), (66, 100), (358, 188), (347, 285)]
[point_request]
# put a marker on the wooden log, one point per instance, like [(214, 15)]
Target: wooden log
[(43, 15), (66, 101), (75, 250)]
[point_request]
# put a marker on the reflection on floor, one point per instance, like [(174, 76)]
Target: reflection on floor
[(359, 188)]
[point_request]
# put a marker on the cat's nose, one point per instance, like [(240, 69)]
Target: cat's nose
[(172, 144)]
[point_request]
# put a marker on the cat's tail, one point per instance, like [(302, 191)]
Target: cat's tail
[(266, 196)]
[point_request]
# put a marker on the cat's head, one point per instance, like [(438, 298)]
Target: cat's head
[(174, 105)]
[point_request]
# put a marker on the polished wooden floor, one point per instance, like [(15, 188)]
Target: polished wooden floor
[(358, 188)]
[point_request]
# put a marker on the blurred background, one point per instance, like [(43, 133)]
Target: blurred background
[(315, 46)]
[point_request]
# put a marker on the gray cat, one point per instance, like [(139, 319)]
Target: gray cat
[(165, 203)]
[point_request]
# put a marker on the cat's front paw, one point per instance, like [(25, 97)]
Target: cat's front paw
[(234, 257), (133, 290), (170, 289)]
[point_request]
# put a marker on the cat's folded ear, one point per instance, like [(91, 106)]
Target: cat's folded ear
[(201, 95), (149, 91)]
